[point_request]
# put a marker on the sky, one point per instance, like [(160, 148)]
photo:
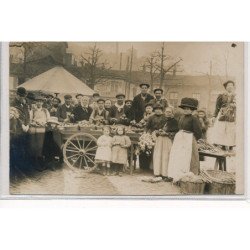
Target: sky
[(196, 56)]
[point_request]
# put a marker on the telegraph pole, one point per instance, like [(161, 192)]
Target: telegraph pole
[(121, 61), (162, 66)]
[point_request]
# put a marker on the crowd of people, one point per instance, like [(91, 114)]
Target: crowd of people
[(177, 132)]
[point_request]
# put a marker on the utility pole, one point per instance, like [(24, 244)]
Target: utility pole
[(121, 61), (162, 66), (130, 70), (210, 83)]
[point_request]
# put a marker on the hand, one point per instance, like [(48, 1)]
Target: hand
[(25, 128)]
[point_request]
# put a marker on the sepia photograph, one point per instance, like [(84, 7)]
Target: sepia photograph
[(126, 118)]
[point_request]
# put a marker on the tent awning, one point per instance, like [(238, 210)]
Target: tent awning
[(57, 80)]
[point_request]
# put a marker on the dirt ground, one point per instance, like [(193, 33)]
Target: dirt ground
[(66, 182)]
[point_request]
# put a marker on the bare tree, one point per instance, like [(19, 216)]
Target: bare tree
[(150, 64), (27, 49), (33, 52), (94, 68), (164, 67)]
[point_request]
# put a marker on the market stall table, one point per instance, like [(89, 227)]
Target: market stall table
[(221, 158)]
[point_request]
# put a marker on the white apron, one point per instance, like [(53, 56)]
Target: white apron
[(224, 133), (180, 155)]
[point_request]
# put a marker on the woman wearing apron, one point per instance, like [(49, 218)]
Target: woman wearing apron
[(225, 117), (184, 156)]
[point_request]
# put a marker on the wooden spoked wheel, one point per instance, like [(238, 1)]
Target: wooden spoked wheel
[(79, 151)]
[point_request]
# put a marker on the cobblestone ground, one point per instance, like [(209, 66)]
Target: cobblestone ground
[(66, 182)]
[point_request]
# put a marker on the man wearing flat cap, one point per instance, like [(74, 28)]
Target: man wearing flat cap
[(95, 98), (48, 101), (64, 111), (19, 126), (79, 99), (55, 105), (158, 99), (100, 116), (117, 111), (137, 111), (139, 102)]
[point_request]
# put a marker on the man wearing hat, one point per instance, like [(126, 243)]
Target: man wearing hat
[(100, 115), (95, 98), (55, 104), (82, 111), (158, 92), (139, 102), (19, 137), (64, 111), (117, 112), (128, 109), (38, 117), (48, 101), (79, 99)]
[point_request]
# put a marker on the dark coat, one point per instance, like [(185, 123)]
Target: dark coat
[(104, 114), (156, 122), (222, 101), (138, 106), (115, 113), (191, 123), (62, 112), (171, 125), (24, 115), (80, 113)]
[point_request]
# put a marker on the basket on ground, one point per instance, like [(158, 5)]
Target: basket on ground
[(188, 187), (220, 182)]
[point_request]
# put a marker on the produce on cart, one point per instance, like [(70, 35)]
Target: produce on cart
[(204, 146), (79, 143)]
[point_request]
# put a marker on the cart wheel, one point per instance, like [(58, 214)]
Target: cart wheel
[(79, 151)]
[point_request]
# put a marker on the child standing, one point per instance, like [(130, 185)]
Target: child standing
[(149, 111), (184, 155), (51, 150), (120, 145), (201, 114), (103, 152)]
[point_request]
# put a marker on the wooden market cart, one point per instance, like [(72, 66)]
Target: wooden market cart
[(79, 146)]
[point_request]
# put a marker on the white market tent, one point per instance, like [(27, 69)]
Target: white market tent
[(57, 80)]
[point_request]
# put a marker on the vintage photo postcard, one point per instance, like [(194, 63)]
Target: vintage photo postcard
[(126, 119)]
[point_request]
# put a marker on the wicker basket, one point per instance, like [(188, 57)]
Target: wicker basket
[(221, 182), (192, 187)]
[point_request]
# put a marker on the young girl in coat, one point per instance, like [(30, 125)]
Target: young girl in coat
[(184, 155), (103, 152), (120, 145)]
